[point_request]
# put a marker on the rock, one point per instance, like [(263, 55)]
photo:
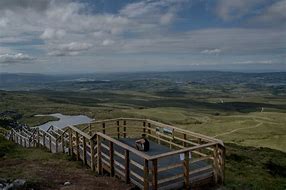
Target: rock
[(67, 183), (66, 150), (9, 186), (2, 180), (18, 183), (1, 186)]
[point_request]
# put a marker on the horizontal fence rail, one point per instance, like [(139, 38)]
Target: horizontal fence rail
[(190, 159)]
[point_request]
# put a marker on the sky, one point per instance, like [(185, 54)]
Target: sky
[(89, 36)]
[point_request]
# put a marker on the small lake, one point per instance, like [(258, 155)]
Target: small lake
[(65, 120)]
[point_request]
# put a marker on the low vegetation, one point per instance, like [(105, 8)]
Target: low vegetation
[(246, 111), (254, 168), (44, 170)]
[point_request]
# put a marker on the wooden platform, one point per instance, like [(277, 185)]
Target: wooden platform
[(177, 158), (156, 149)]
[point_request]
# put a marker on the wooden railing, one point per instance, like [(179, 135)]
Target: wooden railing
[(99, 146)]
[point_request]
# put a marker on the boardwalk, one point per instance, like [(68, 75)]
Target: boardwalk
[(177, 158)]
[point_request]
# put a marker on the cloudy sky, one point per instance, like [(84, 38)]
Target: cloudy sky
[(77, 36)]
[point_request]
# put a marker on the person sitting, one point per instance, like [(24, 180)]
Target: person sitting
[(142, 144)]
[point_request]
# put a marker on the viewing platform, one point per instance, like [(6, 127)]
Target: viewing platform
[(177, 159)]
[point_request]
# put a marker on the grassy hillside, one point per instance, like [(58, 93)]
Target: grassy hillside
[(246, 111), (254, 168), (266, 129), (44, 170)]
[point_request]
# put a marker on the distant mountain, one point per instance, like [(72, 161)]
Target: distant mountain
[(40, 81)]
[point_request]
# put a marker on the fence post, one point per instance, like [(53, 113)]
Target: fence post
[(186, 165), (185, 138), (12, 136), (149, 128), (34, 139), (63, 143), (215, 164), (44, 139), (38, 137), (118, 130), (127, 167), (146, 175), (92, 165), (154, 174), (50, 143), (111, 154), (124, 129), (29, 143), (84, 150), (222, 149), (77, 146), (99, 164), (70, 143), (57, 145), (144, 127), (103, 128)]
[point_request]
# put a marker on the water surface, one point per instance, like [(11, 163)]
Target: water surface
[(64, 120)]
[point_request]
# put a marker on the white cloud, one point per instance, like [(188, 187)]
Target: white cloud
[(272, 15), (16, 5), (99, 34), (5, 51), (50, 33), (3, 22), (73, 48), (15, 58), (211, 51), (161, 11), (63, 21), (234, 9), (65, 27), (167, 18), (255, 62), (232, 41), (107, 42)]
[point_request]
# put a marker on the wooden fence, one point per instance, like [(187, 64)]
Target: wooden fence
[(100, 145)]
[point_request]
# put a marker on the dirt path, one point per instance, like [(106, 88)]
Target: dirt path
[(259, 123), (235, 130)]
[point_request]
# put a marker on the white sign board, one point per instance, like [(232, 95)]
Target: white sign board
[(168, 130), (182, 156)]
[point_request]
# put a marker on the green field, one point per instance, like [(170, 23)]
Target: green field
[(265, 129), (245, 116)]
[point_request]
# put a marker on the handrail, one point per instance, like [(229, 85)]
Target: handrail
[(20, 134), (182, 150), (27, 131), (58, 128), (51, 127), (80, 132), (159, 124), (45, 132), (64, 132)]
